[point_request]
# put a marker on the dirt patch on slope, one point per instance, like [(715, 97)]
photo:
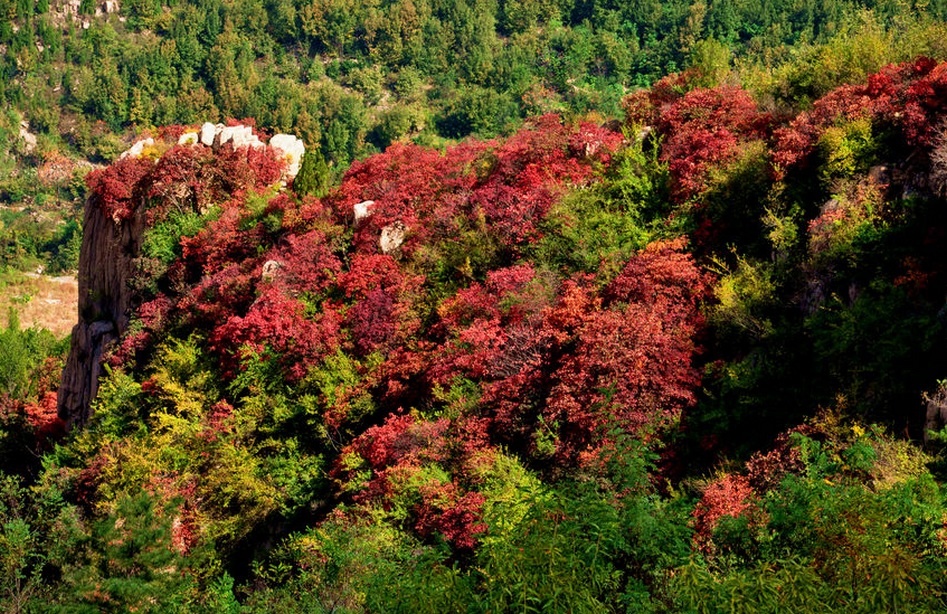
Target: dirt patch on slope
[(40, 301)]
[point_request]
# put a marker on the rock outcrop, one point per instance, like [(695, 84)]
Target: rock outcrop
[(106, 263), (218, 135), (28, 138), (392, 236), (111, 246), (138, 148), (362, 210), (293, 148)]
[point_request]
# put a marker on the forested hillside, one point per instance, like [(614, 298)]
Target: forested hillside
[(571, 307), (79, 79), (691, 360)]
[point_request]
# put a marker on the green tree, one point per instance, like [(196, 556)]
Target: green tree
[(314, 176), (129, 564)]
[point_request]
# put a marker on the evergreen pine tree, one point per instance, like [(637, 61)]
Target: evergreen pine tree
[(313, 176)]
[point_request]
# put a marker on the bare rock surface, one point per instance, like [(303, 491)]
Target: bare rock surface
[(392, 236), (362, 210), (294, 149), (106, 263)]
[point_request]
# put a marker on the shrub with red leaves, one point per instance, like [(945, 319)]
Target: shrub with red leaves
[(381, 313), (402, 439), (118, 188), (644, 107), (578, 363), (408, 184), (447, 511), (218, 295), (277, 323), (305, 263), (221, 243), (730, 496), (910, 97), (632, 362), (491, 326), (532, 167), (766, 470), (511, 185), (702, 129), (395, 453), (179, 181), (43, 415)]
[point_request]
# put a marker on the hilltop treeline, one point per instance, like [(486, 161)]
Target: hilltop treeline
[(353, 77)]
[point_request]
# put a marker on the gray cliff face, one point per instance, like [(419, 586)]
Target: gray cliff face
[(106, 263)]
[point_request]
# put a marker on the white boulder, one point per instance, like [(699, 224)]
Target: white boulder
[(29, 139), (362, 210), (136, 150), (189, 138), (293, 148), (243, 137), (238, 136), (392, 236), (208, 132), (271, 269)]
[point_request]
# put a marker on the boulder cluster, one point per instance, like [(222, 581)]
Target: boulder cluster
[(217, 135)]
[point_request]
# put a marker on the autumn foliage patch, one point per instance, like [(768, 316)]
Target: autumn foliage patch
[(542, 361)]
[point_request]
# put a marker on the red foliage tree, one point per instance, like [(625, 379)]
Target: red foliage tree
[(304, 263), (704, 128), (581, 363), (117, 188), (222, 242), (632, 362), (408, 184), (179, 181), (447, 511), (277, 323), (382, 312), (531, 168), (43, 415), (489, 326), (41, 410), (394, 454), (644, 107), (910, 97), (511, 184), (730, 496)]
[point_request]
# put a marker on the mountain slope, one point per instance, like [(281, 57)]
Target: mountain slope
[(647, 365)]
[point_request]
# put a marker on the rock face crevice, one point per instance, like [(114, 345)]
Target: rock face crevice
[(106, 263)]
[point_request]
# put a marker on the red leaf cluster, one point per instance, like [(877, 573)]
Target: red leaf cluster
[(448, 511), (381, 313), (910, 97), (632, 363), (578, 362), (730, 496), (185, 177), (510, 185), (531, 168), (279, 323), (395, 452), (114, 187), (42, 415), (705, 128)]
